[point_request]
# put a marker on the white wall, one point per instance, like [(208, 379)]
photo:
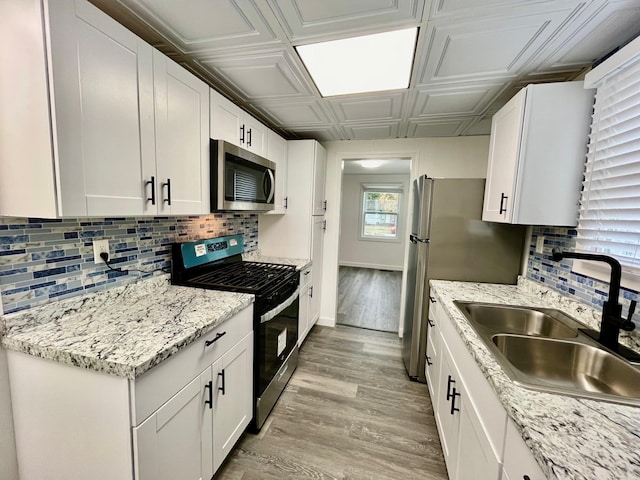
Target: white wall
[(8, 462), (355, 252), (452, 157)]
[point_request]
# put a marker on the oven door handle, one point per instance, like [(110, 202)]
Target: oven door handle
[(284, 305)]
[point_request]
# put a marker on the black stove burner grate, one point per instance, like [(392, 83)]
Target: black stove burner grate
[(247, 277)]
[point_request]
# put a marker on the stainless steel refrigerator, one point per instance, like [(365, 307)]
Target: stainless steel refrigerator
[(449, 241)]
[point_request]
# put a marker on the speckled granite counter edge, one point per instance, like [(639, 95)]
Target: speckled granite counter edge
[(548, 423)]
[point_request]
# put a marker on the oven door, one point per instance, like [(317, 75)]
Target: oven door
[(276, 338)]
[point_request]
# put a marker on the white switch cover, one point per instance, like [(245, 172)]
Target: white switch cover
[(100, 246), (540, 244)]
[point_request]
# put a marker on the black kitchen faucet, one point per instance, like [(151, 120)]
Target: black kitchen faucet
[(612, 320)]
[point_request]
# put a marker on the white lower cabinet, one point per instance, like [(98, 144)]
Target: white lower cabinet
[(519, 463), (190, 436), (179, 420), (471, 421), (305, 319)]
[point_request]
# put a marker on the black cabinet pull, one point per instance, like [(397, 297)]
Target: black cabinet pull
[(221, 374), (209, 387), (242, 134), (324, 225), (311, 291), (324, 205), (450, 381), (248, 137), (503, 197), (432, 299), (429, 362), (525, 477), (219, 335), (286, 202), (430, 322), (153, 189), (168, 185), (453, 401)]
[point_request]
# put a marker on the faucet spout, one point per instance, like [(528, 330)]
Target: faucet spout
[(612, 319)]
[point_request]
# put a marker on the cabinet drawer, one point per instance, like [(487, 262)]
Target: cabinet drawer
[(153, 388), (519, 462), (306, 276)]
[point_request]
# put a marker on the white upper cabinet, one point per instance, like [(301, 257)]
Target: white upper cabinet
[(83, 138), (319, 179), (277, 152), (182, 139), (537, 155), (232, 124)]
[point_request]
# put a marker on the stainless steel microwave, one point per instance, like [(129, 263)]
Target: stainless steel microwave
[(240, 179)]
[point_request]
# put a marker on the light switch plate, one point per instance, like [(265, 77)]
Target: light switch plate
[(100, 246), (540, 244)]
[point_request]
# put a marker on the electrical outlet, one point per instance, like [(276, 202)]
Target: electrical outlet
[(540, 244), (100, 246)]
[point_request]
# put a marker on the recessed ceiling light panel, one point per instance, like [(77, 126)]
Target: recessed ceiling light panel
[(369, 63)]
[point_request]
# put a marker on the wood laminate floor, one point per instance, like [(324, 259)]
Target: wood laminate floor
[(369, 298), (349, 412)]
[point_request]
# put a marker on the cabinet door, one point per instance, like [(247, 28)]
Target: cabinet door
[(176, 441), (446, 414), (519, 462), (225, 119), (253, 135), (102, 77), (277, 152), (303, 318), (319, 179), (317, 243), (476, 460), (233, 404), (504, 152), (182, 127)]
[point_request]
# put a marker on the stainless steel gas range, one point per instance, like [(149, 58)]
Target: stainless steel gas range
[(217, 264)]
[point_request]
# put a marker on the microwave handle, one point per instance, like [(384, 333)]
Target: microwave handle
[(273, 185)]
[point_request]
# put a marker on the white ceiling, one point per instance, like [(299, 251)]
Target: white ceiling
[(471, 57)]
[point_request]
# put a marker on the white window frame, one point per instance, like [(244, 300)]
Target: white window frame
[(386, 188), (627, 58)]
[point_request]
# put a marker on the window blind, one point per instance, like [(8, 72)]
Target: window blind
[(609, 218)]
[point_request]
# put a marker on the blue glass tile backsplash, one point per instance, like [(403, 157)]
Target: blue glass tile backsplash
[(558, 275), (46, 260)]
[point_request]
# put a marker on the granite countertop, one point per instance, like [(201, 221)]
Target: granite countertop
[(571, 438), (256, 256), (123, 331)]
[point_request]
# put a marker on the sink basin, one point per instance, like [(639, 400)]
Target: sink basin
[(519, 320), (568, 367), (544, 349)]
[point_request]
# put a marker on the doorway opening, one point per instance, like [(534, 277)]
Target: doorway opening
[(371, 252)]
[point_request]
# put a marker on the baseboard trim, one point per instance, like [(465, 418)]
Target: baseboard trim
[(326, 322), (375, 266)]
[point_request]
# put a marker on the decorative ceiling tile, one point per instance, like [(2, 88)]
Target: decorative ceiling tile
[(359, 108), (592, 34), (261, 76), (441, 8), (486, 48), (329, 19), (436, 127), (295, 114), (458, 100), (325, 133), (372, 131), (479, 126), (205, 26)]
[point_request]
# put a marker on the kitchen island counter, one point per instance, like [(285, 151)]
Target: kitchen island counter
[(570, 438), (124, 331)]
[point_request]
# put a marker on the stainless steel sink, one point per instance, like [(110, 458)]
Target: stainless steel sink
[(568, 366), (520, 320), (544, 349)]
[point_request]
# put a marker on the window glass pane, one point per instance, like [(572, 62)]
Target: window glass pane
[(380, 214)]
